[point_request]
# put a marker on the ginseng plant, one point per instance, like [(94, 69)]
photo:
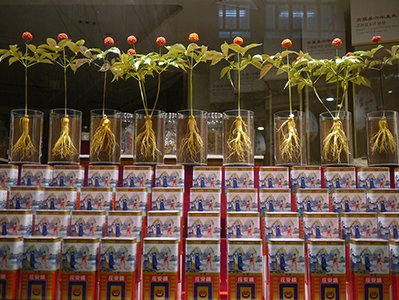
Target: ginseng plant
[(64, 146), (31, 57), (239, 143), (103, 138)]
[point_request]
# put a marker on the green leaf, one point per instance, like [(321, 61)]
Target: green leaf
[(5, 55), (73, 47), (63, 43), (45, 61), (12, 60), (225, 49), (32, 48), (191, 47), (224, 71), (80, 43), (265, 70), (52, 44), (237, 48)]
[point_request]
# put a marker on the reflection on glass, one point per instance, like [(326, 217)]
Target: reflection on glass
[(284, 14)]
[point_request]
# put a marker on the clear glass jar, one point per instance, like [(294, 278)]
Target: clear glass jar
[(127, 134), (215, 133), (170, 133)]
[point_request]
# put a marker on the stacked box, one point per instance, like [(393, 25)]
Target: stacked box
[(160, 268), (396, 173), (131, 199), (349, 200), (164, 224), (373, 178), (287, 269), (205, 199), (97, 199), (370, 269), (339, 178), (312, 200), (242, 200), (11, 248), (79, 268), (382, 200), (244, 273), (327, 269), (169, 176), (103, 176), (239, 178), (36, 175), (394, 269), (318, 226), (274, 200), (22, 197), (16, 222), (207, 177), (203, 225), (88, 223), (388, 226), (52, 223), (3, 197), (281, 225), (40, 267), (138, 176), (117, 268), (125, 224), (355, 225), (274, 177), (68, 175), (60, 198), (167, 199), (8, 175), (305, 178), (243, 225)]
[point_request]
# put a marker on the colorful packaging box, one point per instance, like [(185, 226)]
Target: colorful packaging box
[(3, 197), (205, 199), (138, 176), (287, 269), (281, 225), (243, 225), (88, 223), (382, 200), (373, 178), (40, 267), (388, 226), (131, 199), (203, 225), (355, 225), (327, 269), (79, 268), (207, 177), (72, 175), (274, 178), (8, 175), (125, 224), (167, 199), (169, 176), (164, 224), (16, 222), (160, 268), (103, 176), (339, 178), (394, 269), (305, 178), (117, 268), (52, 223), (11, 248), (349, 200), (97, 199), (36, 175), (274, 200), (22, 197), (396, 172), (370, 269), (320, 226), (60, 198), (239, 178), (202, 260), (242, 200), (312, 200), (244, 269)]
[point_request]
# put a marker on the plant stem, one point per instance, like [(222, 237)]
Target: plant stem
[(105, 84), (191, 85), (239, 84), (289, 85), (65, 79), (336, 55), (382, 94), (142, 98), (318, 97), (156, 99), (26, 79)]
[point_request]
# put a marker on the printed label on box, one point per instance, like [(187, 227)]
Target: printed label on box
[(164, 224), (8, 175), (318, 226), (274, 200), (352, 200), (96, 199), (359, 225), (281, 225), (169, 176), (205, 199), (239, 178), (52, 223), (136, 176), (203, 225), (167, 199), (373, 178), (242, 200), (16, 222), (340, 178), (273, 177), (388, 225), (382, 200), (36, 175), (88, 223), (312, 200), (104, 177), (243, 225), (72, 176), (305, 178), (207, 177), (125, 224), (26, 197), (60, 198)]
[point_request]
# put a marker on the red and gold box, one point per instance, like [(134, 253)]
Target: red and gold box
[(274, 200), (117, 269), (287, 269), (16, 222), (242, 200), (60, 198), (203, 225), (125, 224), (244, 273), (8, 175), (388, 225), (207, 177), (97, 199), (348, 200), (339, 178), (312, 200), (327, 269), (274, 178), (79, 268), (202, 269), (103, 176), (36, 175), (369, 269), (88, 223), (3, 197), (243, 225), (169, 176), (52, 223), (239, 177), (373, 178), (167, 199), (380, 200), (68, 175), (308, 177), (11, 248), (40, 267), (160, 269), (138, 176), (316, 225), (24, 197), (205, 199), (394, 269)]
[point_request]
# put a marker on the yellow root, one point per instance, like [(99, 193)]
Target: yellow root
[(383, 140), (64, 146), (290, 148), (103, 139), (239, 143), (146, 141), (24, 144), (192, 143), (335, 142)]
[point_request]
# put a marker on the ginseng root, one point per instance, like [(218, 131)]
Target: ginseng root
[(239, 143), (290, 148), (103, 139), (192, 143), (335, 142), (64, 146), (383, 140), (24, 145), (146, 141)]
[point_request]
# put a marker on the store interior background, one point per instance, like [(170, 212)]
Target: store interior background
[(258, 21)]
